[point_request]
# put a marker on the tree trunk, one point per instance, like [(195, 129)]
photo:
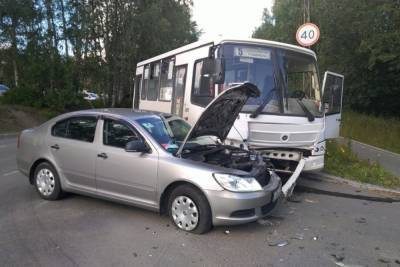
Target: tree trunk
[(14, 50), (64, 28), (51, 41)]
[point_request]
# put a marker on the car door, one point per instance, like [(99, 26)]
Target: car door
[(72, 147), (332, 98), (128, 176)]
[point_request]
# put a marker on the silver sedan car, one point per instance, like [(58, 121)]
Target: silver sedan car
[(155, 161)]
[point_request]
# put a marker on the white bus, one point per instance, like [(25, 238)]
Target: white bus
[(288, 123)]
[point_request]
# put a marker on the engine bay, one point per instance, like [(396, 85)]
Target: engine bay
[(234, 158)]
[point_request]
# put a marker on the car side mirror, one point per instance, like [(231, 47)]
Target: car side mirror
[(137, 146)]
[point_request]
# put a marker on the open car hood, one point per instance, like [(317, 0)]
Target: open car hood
[(219, 116)]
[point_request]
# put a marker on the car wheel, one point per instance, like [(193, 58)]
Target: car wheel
[(47, 182), (189, 209)]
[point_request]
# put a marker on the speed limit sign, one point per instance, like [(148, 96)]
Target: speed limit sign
[(307, 34)]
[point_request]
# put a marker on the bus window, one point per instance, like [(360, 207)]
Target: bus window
[(203, 87), (145, 82), (167, 67), (152, 90)]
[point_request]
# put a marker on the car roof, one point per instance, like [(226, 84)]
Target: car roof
[(4, 87), (127, 113)]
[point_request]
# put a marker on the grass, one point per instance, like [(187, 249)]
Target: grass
[(375, 131), (341, 161), (16, 118)]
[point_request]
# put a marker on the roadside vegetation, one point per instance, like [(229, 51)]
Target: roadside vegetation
[(376, 131), (50, 51), (341, 161), (16, 118)]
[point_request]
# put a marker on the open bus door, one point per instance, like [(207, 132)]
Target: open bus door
[(136, 92), (332, 90)]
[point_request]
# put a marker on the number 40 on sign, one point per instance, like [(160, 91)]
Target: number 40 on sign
[(307, 34)]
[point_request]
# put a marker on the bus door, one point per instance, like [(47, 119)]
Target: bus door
[(179, 90), (136, 93), (332, 102)]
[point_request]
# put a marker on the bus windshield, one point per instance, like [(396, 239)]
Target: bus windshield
[(288, 80)]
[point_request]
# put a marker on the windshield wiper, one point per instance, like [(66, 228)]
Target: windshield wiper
[(260, 108), (308, 113)]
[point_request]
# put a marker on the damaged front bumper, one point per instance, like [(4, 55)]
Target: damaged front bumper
[(287, 188), (230, 208)]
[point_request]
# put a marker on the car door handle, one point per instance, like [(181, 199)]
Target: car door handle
[(55, 146), (102, 155)]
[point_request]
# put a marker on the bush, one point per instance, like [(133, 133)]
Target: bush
[(57, 101)]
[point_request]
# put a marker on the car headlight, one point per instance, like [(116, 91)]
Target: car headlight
[(236, 183)]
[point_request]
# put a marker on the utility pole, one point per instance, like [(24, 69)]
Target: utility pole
[(306, 11)]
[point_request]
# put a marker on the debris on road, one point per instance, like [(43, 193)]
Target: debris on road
[(298, 236), (384, 260), (310, 200), (361, 220), (227, 232), (280, 243), (338, 257), (315, 238), (294, 199), (265, 222)]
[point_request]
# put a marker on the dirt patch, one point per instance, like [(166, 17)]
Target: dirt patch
[(16, 118)]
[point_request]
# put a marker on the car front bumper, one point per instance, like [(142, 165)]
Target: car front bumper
[(230, 208)]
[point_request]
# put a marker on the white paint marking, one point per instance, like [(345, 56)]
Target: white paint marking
[(10, 173)]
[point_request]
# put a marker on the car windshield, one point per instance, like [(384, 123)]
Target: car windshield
[(156, 127), (285, 78), (172, 132)]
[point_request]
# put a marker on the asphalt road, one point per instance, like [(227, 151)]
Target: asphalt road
[(319, 230)]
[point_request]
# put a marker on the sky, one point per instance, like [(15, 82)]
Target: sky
[(229, 18)]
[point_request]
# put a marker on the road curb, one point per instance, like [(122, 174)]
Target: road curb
[(369, 187), (8, 135), (390, 161)]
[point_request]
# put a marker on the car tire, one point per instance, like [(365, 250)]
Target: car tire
[(47, 182), (197, 210)]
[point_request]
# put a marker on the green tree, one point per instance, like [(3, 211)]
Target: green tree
[(360, 39)]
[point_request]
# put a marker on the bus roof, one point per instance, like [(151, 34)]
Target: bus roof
[(201, 43)]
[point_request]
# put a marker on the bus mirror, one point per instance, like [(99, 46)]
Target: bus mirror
[(326, 107), (213, 68), (219, 72)]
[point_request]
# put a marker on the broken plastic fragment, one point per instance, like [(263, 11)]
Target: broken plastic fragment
[(310, 200), (227, 232), (298, 236), (265, 222), (338, 257), (361, 220), (281, 243)]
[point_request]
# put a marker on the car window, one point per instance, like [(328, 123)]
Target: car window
[(82, 128), (179, 129), (60, 129), (78, 128), (117, 134)]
